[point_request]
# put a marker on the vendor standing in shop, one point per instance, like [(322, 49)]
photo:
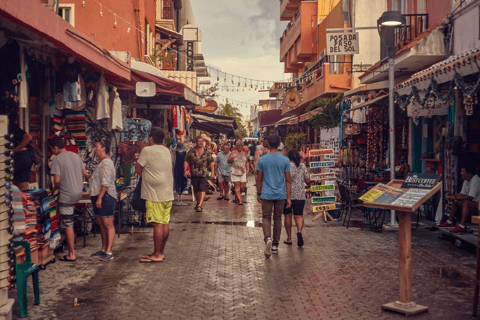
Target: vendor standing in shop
[(466, 200), (22, 158)]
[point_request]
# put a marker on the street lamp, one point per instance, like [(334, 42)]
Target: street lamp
[(386, 25)]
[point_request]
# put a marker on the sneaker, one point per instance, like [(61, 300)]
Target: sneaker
[(445, 225), (98, 254), (274, 249), (106, 256), (268, 248), (458, 229)]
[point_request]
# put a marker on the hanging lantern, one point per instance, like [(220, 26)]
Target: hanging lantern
[(101, 12), (128, 30), (115, 23), (83, 3)]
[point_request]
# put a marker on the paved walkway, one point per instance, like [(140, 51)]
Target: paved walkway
[(215, 269)]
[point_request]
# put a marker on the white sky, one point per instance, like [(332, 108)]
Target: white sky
[(241, 37)]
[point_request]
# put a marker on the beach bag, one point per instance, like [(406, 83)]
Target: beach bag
[(138, 203)]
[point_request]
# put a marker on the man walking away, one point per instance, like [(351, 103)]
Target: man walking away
[(155, 167), (273, 182), (223, 171), (199, 160), (67, 170)]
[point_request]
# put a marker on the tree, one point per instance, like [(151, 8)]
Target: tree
[(227, 110)]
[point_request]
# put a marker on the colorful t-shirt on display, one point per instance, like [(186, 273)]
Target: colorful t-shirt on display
[(199, 166), (137, 130), (128, 149)]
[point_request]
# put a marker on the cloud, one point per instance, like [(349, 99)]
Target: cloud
[(241, 38)]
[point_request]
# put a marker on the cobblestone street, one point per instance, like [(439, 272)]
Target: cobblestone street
[(215, 269)]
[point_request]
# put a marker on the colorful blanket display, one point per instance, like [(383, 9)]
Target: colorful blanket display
[(75, 121), (34, 217)]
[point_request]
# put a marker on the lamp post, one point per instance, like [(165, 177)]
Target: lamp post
[(386, 25)]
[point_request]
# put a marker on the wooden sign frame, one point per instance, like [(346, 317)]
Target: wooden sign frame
[(322, 164), (405, 304), (320, 152), (325, 187), (322, 200)]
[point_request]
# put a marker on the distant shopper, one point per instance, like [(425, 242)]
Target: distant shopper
[(300, 177), (200, 161), (103, 193), (258, 154), (223, 171), (273, 183), (467, 201), (251, 155), (68, 171), (155, 167), (239, 169)]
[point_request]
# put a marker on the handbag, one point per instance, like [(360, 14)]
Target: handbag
[(36, 153), (138, 203)]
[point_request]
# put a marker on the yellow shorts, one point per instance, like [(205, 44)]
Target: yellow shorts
[(158, 212)]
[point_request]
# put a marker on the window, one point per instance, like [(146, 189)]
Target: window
[(400, 5), (67, 12)]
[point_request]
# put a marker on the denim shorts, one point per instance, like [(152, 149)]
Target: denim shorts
[(108, 206)]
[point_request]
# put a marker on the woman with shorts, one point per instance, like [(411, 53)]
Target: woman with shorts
[(104, 197), (300, 177), (238, 170)]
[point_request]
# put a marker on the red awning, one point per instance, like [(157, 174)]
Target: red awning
[(164, 86), (39, 19)]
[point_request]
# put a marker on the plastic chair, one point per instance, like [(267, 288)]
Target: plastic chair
[(22, 271)]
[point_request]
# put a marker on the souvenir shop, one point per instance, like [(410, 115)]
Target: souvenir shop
[(48, 91), (365, 141), (442, 105)]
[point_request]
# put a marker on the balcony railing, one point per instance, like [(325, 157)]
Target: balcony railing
[(415, 25)]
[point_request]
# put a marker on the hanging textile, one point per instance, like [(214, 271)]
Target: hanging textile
[(136, 129), (115, 121), (103, 104), (180, 181), (23, 87), (75, 123), (174, 117)]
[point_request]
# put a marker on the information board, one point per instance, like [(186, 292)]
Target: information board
[(325, 207), (322, 188), (320, 152), (323, 199), (342, 43), (323, 176), (322, 164)]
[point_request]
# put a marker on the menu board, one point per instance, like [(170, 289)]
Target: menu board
[(323, 199), (411, 197), (322, 164), (374, 193), (389, 196)]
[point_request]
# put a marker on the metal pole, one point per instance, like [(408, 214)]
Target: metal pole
[(391, 112)]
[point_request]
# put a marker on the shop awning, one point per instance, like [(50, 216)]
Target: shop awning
[(368, 103), (308, 115), (168, 91), (40, 20), (173, 34), (284, 121), (212, 123)]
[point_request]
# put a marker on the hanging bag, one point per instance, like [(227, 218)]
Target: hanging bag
[(36, 153), (138, 203)]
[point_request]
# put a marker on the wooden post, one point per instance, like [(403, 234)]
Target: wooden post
[(405, 257)]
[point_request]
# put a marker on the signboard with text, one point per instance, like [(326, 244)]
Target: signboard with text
[(342, 43), (322, 176), (323, 199), (322, 188), (421, 180), (320, 152), (325, 207), (322, 164)]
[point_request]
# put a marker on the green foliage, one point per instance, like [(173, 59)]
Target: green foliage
[(227, 110), (160, 54), (294, 140), (331, 112), (209, 91)]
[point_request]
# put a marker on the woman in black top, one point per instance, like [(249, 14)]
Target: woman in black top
[(22, 158)]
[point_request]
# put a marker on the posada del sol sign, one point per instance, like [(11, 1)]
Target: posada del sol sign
[(342, 43)]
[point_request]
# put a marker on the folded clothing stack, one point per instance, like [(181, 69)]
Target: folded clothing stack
[(19, 224)]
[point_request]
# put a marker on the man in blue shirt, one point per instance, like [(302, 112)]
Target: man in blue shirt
[(223, 171), (273, 177)]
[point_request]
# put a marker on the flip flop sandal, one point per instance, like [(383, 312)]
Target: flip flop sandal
[(149, 260), (289, 243), (199, 209), (148, 257), (64, 258), (240, 203), (220, 198), (226, 198)]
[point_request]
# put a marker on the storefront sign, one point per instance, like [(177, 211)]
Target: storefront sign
[(342, 43), (322, 164), (320, 152), (322, 188), (322, 176), (421, 180), (326, 207), (323, 199), (210, 107)]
